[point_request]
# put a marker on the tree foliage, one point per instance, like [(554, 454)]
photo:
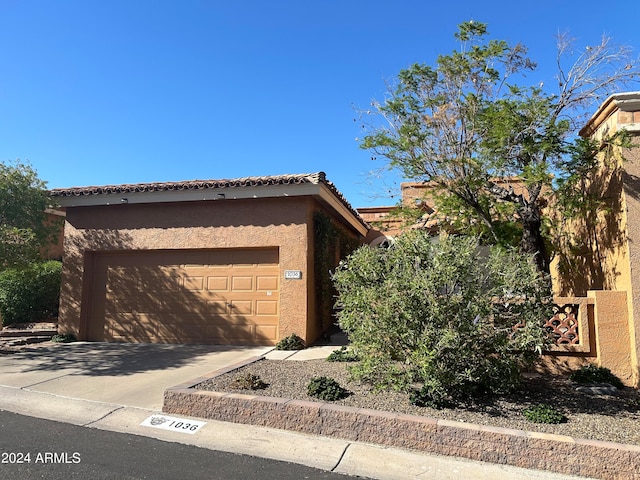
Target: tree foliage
[(442, 313), (23, 226), (469, 120), (31, 293)]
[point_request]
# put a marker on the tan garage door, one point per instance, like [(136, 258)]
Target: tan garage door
[(212, 296)]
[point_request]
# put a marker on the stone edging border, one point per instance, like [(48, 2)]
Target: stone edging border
[(534, 450)]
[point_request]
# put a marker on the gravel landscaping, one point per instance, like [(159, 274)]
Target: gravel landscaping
[(612, 418)]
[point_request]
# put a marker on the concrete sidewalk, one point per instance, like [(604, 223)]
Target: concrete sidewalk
[(117, 386)]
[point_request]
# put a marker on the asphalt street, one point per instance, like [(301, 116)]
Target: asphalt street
[(33, 448)]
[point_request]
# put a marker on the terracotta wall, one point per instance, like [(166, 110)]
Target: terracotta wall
[(282, 223)]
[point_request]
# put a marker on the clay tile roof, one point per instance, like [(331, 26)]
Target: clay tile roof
[(288, 179), (314, 178)]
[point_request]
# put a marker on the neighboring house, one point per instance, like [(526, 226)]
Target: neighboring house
[(389, 221), (243, 261)]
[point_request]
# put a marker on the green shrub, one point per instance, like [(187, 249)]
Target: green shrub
[(292, 342), (424, 397), (543, 413), (594, 374), (248, 381), (30, 294), (64, 338), (326, 388), (343, 354), (441, 313)]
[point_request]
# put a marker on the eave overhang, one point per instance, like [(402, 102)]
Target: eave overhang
[(314, 185), (626, 102)]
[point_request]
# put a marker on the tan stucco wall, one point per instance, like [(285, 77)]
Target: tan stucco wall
[(282, 223), (594, 255), (605, 251), (632, 204)]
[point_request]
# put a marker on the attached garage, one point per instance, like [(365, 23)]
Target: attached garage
[(182, 296), (242, 261)]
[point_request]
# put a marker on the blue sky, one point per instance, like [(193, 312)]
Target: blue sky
[(112, 92)]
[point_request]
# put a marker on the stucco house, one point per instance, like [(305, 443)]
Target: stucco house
[(242, 261), (247, 261)]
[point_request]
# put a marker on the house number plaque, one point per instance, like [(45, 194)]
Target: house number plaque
[(293, 274)]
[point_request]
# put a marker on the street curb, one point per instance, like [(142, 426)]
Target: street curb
[(519, 448)]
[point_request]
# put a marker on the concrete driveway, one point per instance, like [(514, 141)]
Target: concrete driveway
[(127, 374)]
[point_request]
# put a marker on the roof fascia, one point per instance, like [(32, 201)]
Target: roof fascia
[(626, 101), (328, 197), (217, 194), (187, 195)]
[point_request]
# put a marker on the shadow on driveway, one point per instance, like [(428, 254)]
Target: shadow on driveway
[(121, 359)]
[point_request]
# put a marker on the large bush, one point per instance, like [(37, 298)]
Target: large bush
[(31, 293), (440, 313), (24, 229)]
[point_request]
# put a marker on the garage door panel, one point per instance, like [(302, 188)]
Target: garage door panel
[(167, 282), (217, 307), (242, 284), (194, 283), (240, 320), (215, 296), (267, 333), (266, 307), (188, 330), (264, 282), (195, 271), (169, 306), (231, 332), (268, 321), (241, 307), (198, 307), (218, 283)]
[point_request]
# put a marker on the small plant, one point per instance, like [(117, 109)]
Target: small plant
[(342, 355), (594, 374), (292, 342), (63, 338), (326, 388), (425, 398), (543, 413), (248, 381)]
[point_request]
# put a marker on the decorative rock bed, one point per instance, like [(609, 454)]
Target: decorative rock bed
[(535, 450)]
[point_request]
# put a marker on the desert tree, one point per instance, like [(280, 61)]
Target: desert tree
[(493, 147)]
